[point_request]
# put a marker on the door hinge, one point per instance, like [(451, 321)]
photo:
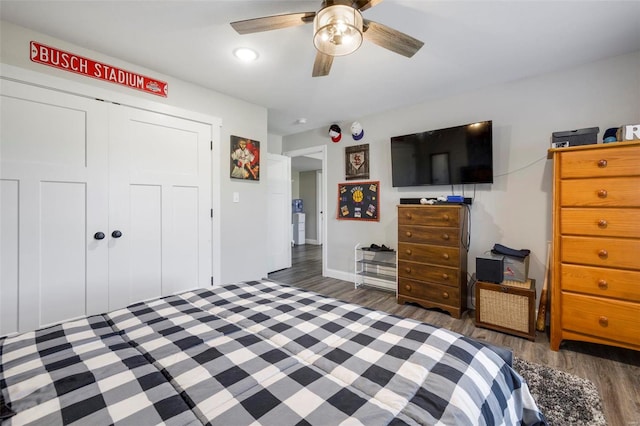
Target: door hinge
[(211, 213), (212, 281), (211, 145)]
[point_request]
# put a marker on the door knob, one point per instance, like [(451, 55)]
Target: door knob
[(116, 234), (98, 235)]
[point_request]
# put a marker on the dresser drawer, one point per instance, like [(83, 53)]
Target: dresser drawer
[(429, 215), (433, 292), (606, 252), (605, 192), (436, 255), (436, 274), (605, 318), (609, 222), (601, 282), (429, 235), (619, 161)]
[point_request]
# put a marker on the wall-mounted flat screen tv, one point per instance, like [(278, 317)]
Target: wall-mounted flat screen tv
[(455, 155)]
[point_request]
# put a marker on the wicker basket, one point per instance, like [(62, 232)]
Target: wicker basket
[(508, 307)]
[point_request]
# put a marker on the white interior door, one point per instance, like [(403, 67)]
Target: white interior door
[(278, 212), (160, 202), (72, 167), (53, 190)]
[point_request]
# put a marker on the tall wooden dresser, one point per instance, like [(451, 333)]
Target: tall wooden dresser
[(595, 276), (432, 256)]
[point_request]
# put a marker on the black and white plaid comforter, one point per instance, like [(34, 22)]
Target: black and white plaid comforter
[(256, 353)]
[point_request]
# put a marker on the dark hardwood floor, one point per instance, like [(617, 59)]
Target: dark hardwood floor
[(615, 371)]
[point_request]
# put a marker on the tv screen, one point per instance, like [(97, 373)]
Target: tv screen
[(455, 155)]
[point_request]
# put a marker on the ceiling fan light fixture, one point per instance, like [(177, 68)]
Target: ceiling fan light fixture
[(337, 30)]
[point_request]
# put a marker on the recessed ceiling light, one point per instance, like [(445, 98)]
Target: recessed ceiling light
[(245, 54)]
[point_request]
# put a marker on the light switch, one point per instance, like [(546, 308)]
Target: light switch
[(236, 197)]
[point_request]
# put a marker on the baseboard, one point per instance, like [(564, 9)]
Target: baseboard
[(340, 275)]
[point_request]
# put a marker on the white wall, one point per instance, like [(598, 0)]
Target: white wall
[(309, 195), (242, 235), (275, 143), (516, 209), (295, 184)]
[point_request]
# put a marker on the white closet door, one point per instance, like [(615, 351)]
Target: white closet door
[(53, 194), (160, 200)]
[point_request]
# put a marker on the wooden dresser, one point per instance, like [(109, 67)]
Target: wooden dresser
[(432, 258), (595, 276)]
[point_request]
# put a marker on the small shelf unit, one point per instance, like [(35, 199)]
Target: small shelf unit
[(375, 268)]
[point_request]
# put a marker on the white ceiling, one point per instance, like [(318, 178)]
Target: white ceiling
[(468, 45)]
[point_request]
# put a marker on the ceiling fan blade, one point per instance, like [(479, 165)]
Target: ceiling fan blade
[(391, 39), (363, 5), (276, 22), (322, 64)]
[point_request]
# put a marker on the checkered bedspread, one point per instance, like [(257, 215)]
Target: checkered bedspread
[(255, 353)]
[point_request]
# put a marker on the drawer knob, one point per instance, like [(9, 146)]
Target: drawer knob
[(445, 256), (408, 251), (602, 163), (407, 270), (603, 284), (445, 237), (407, 287), (409, 216), (445, 295), (602, 223), (603, 254), (408, 234), (603, 193), (445, 217), (445, 276), (603, 321)]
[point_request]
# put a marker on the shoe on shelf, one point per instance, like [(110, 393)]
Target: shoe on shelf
[(385, 248), (374, 247)]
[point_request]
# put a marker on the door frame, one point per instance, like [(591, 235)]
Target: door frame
[(324, 236), (319, 207), (26, 76)]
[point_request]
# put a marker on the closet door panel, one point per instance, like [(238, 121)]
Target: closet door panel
[(9, 256), (185, 250), (53, 165), (144, 240), (63, 271), (160, 174)]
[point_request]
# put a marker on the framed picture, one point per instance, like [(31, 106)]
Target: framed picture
[(359, 201), (245, 158), (357, 162)]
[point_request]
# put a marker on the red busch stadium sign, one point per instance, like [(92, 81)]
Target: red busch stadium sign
[(60, 59)]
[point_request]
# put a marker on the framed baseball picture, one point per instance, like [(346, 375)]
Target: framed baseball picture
[(245, 158), (357, 162), (359, 201)]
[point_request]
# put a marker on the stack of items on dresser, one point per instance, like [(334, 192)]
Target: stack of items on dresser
[(505, 295), (503, 263)]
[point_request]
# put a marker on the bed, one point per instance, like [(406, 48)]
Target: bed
[(256, 353)]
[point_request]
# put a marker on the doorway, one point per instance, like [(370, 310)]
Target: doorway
[(313, 161)]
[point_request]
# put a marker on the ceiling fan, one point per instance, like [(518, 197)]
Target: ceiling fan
[(338, 29)]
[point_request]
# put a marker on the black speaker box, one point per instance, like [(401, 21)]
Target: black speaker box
[(490, 268), (409, 200)]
